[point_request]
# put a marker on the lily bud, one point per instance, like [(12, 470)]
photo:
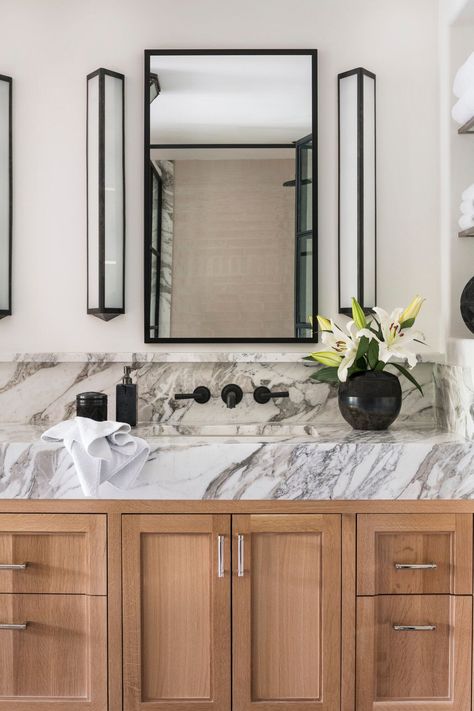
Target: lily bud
[(358, 314), (324, 323), (327, 358), (412, 311)]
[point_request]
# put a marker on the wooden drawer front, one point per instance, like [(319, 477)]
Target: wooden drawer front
[(406, 670), (437, 549), (60, 660), (63, 553)]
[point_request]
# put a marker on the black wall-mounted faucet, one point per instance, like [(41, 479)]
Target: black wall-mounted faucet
[(232, 395), (262, 394), (200, 395)]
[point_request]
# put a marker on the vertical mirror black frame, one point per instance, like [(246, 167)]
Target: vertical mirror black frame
[(99, 302), (364, 253), (148, 178), (6, 167)]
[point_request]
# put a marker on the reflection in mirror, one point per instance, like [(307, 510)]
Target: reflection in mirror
[(230, 195)]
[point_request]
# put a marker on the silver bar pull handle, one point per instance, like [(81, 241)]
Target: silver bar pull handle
[(220, 556), (21, 626), (415, 566), (414, 628), (240, 556), (13, 566)]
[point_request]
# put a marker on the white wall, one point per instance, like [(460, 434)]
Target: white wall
[(49, 46), (461, 251), (457, 166)]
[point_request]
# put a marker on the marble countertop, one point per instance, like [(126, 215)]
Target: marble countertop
[(268, 461)]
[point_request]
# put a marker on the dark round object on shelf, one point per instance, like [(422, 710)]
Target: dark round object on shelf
[(370, 400), (92, 405), (467, 305)]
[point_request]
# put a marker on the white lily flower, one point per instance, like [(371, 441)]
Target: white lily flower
[(345, 343), (395, 340), (412, 310)]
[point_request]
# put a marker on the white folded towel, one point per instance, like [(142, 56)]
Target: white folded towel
[(101, 451), (463, 109), (467, 207), (468, 194), (466, 221), (464, 77)]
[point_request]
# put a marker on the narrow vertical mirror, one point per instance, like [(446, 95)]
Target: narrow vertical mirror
[(230, 196)]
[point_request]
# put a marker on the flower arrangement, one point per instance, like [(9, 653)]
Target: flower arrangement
[(368, 343)]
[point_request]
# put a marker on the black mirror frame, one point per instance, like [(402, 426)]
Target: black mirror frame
[(313, 53)]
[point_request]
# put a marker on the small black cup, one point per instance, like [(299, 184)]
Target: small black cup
[(92, 405)]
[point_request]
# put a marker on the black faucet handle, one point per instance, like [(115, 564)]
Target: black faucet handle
[(262, 394), (200, 395)]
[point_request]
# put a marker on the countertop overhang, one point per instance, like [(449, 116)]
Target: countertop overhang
[(264, 462)]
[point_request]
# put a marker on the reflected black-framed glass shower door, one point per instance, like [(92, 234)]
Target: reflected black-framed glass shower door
[(304, 237)]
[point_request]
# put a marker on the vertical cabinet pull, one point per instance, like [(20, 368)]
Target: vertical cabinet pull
[(240, 556), (220, 556)]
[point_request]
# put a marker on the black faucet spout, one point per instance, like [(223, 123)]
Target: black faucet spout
[(231, 395)]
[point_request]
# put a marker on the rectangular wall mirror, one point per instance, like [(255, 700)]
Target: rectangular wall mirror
[(230, 195)]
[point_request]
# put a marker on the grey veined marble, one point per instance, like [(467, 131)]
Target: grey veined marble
[(328, 463), (293, 448), (43, 391), (454, 399)]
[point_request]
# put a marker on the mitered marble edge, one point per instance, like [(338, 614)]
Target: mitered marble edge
[(436, 467), (179, 357)]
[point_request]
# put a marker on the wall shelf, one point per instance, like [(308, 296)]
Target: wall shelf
[(467, 233), (467, 127)]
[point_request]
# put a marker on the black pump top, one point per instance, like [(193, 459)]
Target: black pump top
[(126, 380)]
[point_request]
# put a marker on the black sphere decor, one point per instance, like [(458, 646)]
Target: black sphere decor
[(467, 305), (370, 400)]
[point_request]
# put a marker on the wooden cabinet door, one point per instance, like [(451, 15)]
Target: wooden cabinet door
[(421, 669), (286, 612), (176, 587), (53, 652)]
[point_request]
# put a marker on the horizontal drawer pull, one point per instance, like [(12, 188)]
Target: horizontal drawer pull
[(414, 628), (21, 626), (415, 566), (13, 566)]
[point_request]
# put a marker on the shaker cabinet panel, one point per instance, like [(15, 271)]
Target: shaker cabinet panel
[(176, 586), (414, 653), (53, 652), (286, 612), (414, 554), (53, 553)]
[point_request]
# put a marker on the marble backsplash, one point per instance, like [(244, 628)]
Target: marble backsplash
[(41, 390), (454, 398)]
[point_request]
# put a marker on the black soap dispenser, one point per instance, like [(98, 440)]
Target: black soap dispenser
[(126, 399)]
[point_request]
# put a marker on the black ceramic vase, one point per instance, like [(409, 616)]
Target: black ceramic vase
[(467, 305), (370, 400)]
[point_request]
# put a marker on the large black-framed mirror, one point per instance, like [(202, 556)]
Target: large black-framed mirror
[(230, 196)]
